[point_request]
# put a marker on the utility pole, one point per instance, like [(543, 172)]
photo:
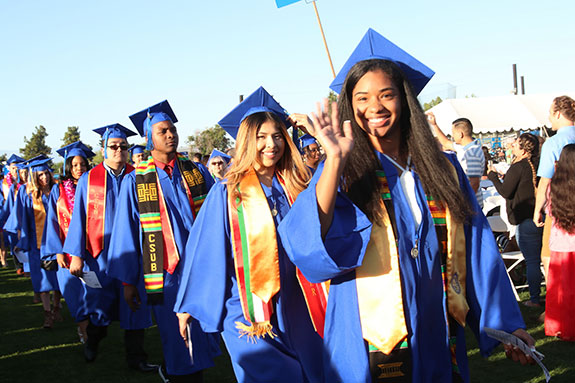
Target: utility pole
[(515, 79)]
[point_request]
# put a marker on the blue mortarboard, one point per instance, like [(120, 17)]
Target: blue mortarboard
[(306, 140), (145, 119), (15, 159), (375, 46), (75, 149), (113, 131), (217, 153), (258, 101), (38, 165), (136, 149)]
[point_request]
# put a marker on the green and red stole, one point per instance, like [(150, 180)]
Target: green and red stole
[(159, 249), (382, 323), (255, 250), (96, 207)]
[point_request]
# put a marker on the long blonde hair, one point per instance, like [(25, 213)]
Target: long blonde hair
[(290, 166)]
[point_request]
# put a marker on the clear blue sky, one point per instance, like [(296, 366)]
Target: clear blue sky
[(94, 63)]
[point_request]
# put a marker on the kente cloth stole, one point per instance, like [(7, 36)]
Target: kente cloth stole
[(255, 250), (382, 315), (39, 218), (159, 249), (64, 208)]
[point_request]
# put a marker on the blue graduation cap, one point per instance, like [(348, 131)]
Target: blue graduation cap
[(258, 101), (38, 165), (113, 131), (306, 140), (145, 119), (74, 149), (136, 149), (14, 159), (375, 46), (217, 153)]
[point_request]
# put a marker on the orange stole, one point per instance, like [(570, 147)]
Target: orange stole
[(39, 218)]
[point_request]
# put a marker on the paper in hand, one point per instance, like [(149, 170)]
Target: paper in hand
[(189, 341), (91, 280), (512, 340)]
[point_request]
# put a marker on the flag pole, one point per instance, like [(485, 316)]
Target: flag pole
[(324, 40)]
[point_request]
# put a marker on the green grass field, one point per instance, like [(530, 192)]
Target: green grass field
[(29, 353)]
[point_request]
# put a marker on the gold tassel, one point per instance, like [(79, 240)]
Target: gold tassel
[(256, 330)]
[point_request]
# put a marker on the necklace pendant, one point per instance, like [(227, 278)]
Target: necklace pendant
[(414, 252)]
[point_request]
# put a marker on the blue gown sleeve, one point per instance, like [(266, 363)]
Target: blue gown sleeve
[(489, 293), (75, 243), (25, 214), (344, 246), (208, 264), (52, 244), (124, 254)]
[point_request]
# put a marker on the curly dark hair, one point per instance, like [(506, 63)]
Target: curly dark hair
[(530, 144), (565, 105), (561, 190), (434, 169)]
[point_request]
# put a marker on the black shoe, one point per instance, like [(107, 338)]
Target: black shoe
[(146, 367), (90, 352), (163, 374)]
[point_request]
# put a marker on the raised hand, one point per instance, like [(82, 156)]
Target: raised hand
[(303, 122), (336, 142)]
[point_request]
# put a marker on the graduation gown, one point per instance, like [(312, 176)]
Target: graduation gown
[(10, 229), (489, 293), (22, 218), (209, 293), (126, 265), (105, 304), (71, 287)]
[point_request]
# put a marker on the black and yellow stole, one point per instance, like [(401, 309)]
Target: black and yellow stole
[(159, 248)]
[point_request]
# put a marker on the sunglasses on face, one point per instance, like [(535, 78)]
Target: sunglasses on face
[(116, 147), (217, 163)]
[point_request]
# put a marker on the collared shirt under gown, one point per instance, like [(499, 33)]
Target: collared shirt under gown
[(491, 300)]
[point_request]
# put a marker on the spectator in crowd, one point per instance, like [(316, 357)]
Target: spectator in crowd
[(562, 118), (468, 150), (560, 307), (518, 188)]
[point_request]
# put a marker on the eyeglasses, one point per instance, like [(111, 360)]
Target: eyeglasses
[(217, 163), (116, 147)]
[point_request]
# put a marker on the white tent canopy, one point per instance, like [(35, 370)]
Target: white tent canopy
[(497, 114)]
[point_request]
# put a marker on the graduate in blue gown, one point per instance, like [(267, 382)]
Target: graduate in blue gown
[(60, 207), (137, 154), (30, 210), (393, 223), (269, 334), (133, 259), (17, 177), (95, 204)]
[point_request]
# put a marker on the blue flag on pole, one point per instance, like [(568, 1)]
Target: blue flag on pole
[(283, 3)]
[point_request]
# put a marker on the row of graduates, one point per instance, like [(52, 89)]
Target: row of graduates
[(388, 228)]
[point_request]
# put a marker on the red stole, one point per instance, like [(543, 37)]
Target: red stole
[(96, 208)]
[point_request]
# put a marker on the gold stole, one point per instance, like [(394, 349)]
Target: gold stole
[(378, 283), (39, 218)]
